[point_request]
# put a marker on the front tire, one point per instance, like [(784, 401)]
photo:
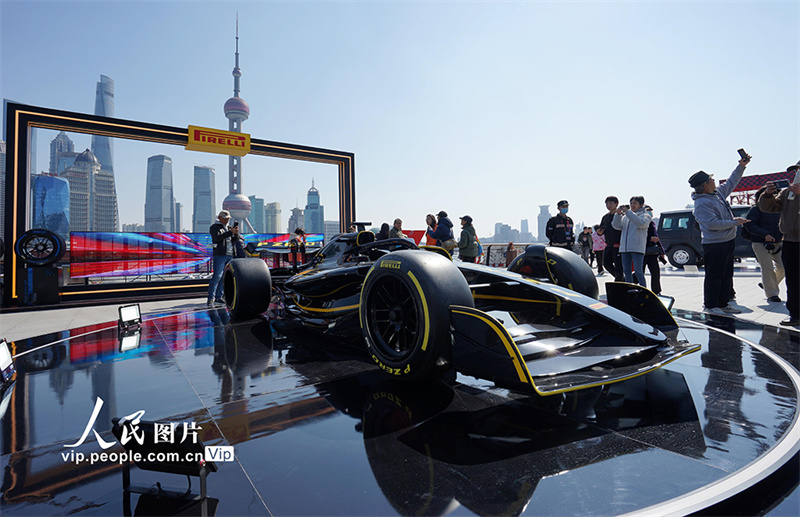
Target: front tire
[(405, 311), (247, 288)]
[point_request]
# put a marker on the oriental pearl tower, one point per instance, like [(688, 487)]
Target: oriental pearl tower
[(237, 111)]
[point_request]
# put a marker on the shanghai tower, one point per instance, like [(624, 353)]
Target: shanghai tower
[(103, 146)]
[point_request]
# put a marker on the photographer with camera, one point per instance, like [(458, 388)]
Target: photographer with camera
[(222, 236), (717, 232), (787, 203), (766, 241)]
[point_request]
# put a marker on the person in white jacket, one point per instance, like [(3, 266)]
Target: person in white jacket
[(633, 220)]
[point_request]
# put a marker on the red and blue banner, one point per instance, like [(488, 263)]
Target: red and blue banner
[(107, 254)]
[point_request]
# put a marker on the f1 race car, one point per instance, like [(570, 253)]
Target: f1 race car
[(536, 327)]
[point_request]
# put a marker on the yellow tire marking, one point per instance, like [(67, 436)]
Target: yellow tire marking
[(424, 310)]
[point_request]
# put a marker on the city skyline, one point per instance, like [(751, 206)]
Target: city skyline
[(485, 108)]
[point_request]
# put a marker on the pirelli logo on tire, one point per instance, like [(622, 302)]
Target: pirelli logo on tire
[(391, 264)]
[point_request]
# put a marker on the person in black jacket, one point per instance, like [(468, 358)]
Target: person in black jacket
[(443, 232), (560, 228), (766, 242), (653, 253), (384, 233), (221, 237), (611, 258)]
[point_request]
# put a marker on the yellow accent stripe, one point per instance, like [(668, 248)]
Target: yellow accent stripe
[(337, 309), (508, 298), (330, 293), (235, 291), (126, 290), (511, 348), (424, 310)]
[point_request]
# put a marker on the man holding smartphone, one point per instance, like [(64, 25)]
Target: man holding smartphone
[(718, 233), (221, 236), (787, 202)]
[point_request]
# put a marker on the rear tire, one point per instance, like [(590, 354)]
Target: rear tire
[(39, 247), (247, 288), (680, 256), (405, 311), (560, 266)]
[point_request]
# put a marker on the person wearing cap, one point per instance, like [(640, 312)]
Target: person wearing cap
[(468, 242), (560, 228), (717, 232), (787, 202), (443, 233), (221, 237)]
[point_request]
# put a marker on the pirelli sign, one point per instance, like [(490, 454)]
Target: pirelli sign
[(217, 141)]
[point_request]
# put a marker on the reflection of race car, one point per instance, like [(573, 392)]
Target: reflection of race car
[(536, 327)]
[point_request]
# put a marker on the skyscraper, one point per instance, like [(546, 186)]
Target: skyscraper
[(314, 214), (60, 144), (541, 220), (103, 146), (178, 226), (296, 220), (50, 204), (272, 218), (92, 196), (237, 111), (257, 214), (159, 203), (205, 200)]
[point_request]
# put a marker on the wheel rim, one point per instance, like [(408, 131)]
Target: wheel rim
[(681, 257), (39, 248), (394, 321)]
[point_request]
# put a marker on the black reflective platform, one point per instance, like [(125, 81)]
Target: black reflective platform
[(319, 430)]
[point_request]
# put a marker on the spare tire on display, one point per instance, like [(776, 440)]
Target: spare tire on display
[(405, 311), (39, 247), (247, 287)]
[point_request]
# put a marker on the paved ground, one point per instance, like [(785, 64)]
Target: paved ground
[(685, 287)]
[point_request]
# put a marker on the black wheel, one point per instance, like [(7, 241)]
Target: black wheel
[(680, 256), (40, 247), (404, 311), (247, 288), (560, 266)]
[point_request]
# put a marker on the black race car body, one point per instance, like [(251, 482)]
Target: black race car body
[(537, 327)]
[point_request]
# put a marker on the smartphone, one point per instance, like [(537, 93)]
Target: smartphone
[(742, 154), (236, 224), (781, 184)]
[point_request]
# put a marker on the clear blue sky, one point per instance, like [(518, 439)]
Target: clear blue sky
[(486, 108)]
